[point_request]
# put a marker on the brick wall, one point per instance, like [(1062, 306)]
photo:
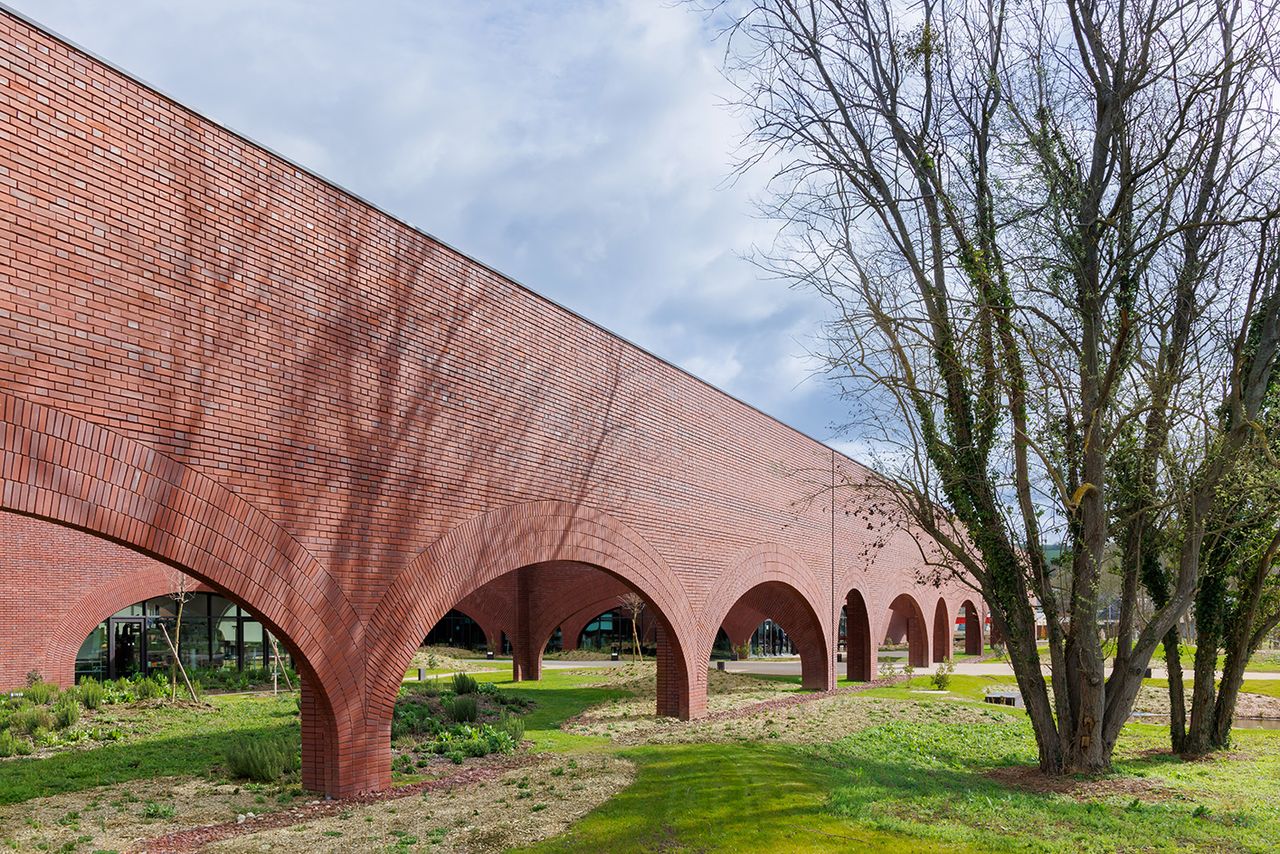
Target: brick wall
[(219, 359)]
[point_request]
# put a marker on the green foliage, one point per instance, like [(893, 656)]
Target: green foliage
[(464, 683), (230, 679), (462, 709), (151, 809), (28, 719), (41, 693), (413, 718), (153, 688), (91, 694), (66, 711), (8, 743), (512, 726), (941, 677), (263, 760)]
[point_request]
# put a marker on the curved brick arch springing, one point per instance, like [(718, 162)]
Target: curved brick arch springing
[(70, 472), (510, 539), (774, 581), (906, 621)]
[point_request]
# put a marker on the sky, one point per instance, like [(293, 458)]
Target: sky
[(582, 148)]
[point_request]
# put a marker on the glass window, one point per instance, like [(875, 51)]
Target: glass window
[(194, 643), (254, 644), (162, 606), (221, 607), (91, 660), (134, 610), (225, 644)]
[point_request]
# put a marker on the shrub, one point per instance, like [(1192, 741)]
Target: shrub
[(8, 744), (909, 670), (66, 711), (151, 688), (29, 719), (40, 692), (462, 709), (465, 683), (512, 726), (941, 677), (410, 718), (151, 809), (887, 668), (91, 693), (263, 760)]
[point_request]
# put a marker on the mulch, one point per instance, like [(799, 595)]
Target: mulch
[(197, 838)]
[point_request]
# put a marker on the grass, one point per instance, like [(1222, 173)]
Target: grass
[(904, 781), (168, 741), (723, 798)]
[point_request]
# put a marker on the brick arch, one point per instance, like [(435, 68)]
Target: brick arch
[(906, 618), (71, 472), (572, 626), (943, 631), (972, 627), (860, 645), (96, 605), (774, 580), (504, 541)]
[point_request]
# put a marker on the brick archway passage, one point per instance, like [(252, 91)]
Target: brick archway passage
[(215, 358)]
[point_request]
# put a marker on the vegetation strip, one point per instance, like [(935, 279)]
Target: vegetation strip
[(198, 837)]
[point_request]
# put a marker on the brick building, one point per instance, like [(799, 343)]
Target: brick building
[(214, 360)]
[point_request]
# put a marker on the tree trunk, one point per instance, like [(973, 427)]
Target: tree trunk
[(177, 645), (1177, 692)]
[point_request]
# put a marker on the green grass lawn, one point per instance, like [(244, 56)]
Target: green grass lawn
[(901, 783), (166, 741)]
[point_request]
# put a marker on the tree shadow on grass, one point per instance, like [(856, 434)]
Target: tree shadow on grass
[(944, 782), (75, 770)]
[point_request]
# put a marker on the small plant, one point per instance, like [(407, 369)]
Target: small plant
[(151, 809), (152, 688), (263, 760), (909, 670), (40, 692), (465, 683), (66, 711), (513, 727), (91, 693), (462, 709), (8, 744), (941, 677), (29, 719), (887, 669), (743, 652)]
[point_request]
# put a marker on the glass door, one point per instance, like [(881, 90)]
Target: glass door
[(126, 648)]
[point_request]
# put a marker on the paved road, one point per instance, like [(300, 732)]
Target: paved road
[(791, 667)]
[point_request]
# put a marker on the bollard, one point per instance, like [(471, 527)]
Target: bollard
[(613, 656), (720, 665), (489, 654), (422, 674)]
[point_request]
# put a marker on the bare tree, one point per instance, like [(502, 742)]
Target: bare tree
[(1043, 228), (632, 604), (181, 588)]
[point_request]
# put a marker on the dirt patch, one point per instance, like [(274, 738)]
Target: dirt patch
[(1082, 789), (112, 818), (1155, 701), (454, 661), (518, 806), (754, 710)]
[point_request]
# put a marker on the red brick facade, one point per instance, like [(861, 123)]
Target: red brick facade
[(215, 359)]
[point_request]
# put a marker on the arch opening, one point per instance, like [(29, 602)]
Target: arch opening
[(776, 602), (907, 625), (88, 581), (943, 628), (860, 652), (538, 565), (971, 621)]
